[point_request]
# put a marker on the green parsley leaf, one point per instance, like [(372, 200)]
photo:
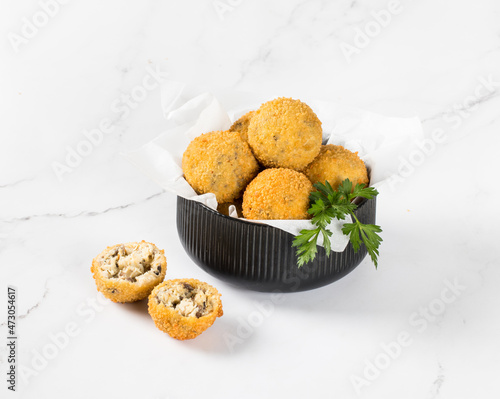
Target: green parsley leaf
[(306, 246), (366, 233), (361, 191), (328, 204)]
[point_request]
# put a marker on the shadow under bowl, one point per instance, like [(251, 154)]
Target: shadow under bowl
[(257, 256)]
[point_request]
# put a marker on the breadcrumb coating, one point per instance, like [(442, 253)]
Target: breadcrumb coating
[(335, 164), (184, 308), (277, 194), (285, 133), (129, 272), (221, 163), (241, 125)]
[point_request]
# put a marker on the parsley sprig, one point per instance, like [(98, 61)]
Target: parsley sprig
[(327, 204)]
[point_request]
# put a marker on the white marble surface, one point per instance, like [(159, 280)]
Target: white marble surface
[(433, 59)]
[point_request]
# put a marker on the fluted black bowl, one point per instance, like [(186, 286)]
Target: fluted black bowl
[(257, 256)]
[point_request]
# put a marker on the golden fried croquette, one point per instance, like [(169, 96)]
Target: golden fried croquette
[(241, 125), (184, 308), (129, 272), (335, 164), (277, 194), (221, 163), (285, 133)]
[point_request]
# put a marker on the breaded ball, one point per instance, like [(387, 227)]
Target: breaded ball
[(184, 308), (335, 164), (220, 163), (285, 133), (129, 272), (241, 125), (277, 194)]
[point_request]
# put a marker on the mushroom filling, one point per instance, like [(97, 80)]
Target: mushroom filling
[(187, 300), (131, 262)]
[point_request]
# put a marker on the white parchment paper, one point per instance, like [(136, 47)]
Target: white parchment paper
[(379, 140)]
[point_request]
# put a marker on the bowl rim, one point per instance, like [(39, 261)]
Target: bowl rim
[(262, 222)]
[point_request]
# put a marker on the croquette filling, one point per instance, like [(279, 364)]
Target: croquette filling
[(185, 299), (137, 263)]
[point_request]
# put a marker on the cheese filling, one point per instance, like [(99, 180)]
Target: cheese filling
[(134, 262), (187, 300)]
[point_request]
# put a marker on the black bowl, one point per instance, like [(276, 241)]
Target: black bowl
[(257, 256)]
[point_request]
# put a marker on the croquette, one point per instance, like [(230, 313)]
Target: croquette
[(335, 164), (221, 163), (241, 125), (277, 193), (129, 272), (184, 308), (285, 133)]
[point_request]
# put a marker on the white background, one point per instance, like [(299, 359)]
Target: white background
[(431, 59)]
